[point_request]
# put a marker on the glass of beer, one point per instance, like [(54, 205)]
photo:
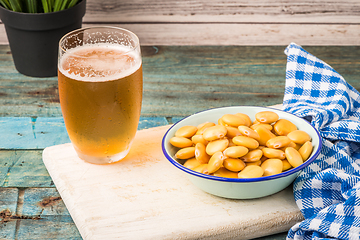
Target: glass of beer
[(100, 88)]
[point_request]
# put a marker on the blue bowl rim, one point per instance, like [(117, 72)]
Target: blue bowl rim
[(241, 180)]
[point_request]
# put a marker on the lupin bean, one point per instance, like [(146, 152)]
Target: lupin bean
[(217, 146), (292, 144), (257, 124), (245, 141), (200, 153), (223, 172), (233, 164), (252, 156), (215, 162), (222, 123), (246, 131), (306, 150), (236, 147), (297, 146), (233, 120), (251, 171), (273, 153), (185, 153), (299, 136), (293, 156), (192, 163), (235, 151), (245, 117), (232, 132), (272, 166), (181, 142), (266, 117), (286, 165), (265, 134), (198, 139), (202, 127), (186, 131), (283, 127), (202, 168), (278, 142), (215, 132), (257, 163)]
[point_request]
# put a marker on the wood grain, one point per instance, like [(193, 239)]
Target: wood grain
[(8, 206), (198, 77), (38, 133), (240, 11), (239, 34), (34, 213), (22, 142), (227, 22), (23, 169), (214, 76), (143, 192)]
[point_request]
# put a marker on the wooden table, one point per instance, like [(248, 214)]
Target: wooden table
[(178, 81)]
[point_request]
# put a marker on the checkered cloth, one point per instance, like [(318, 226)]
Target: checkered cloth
[(328, 190)]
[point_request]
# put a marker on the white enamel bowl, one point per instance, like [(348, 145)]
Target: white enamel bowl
[(232, 187)]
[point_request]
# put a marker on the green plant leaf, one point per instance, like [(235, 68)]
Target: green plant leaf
[(31, 6), (15, 5), (46, 6), (57, 5), (63, 5), (51, 4), (72, 3), (5, 4)]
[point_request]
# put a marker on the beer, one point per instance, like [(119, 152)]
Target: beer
[(100, 88)]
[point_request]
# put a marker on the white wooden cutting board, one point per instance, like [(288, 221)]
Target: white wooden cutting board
[(146, 197)]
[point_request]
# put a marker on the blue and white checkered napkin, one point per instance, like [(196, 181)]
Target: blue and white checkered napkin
[(328, 190)]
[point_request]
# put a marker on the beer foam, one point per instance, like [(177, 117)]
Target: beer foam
[(100, 62)]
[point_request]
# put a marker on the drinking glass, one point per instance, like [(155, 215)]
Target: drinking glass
[(100, 88)]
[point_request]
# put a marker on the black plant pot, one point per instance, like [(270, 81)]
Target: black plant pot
[(34, 37)]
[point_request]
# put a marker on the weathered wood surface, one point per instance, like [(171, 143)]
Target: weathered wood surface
[(34, 213), (198, 77), (150, 196), (227, 22), (39, 133), (178, 80), (30, 206), (310, 11), (22, 143), (243, 34)]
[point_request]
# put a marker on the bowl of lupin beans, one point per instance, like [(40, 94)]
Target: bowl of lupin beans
[(241, 152)]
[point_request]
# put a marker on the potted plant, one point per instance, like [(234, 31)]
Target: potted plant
[(34, 29)]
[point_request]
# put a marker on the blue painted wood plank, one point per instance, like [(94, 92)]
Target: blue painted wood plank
[(39, 133), (150, 122), (8, 205), (6, 163), (48, 217), (8, 199), (43, 202), (25, 169), (31, 133), (43, 215), (3, 174), (50, 227), (8, 230), (176, 119)]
